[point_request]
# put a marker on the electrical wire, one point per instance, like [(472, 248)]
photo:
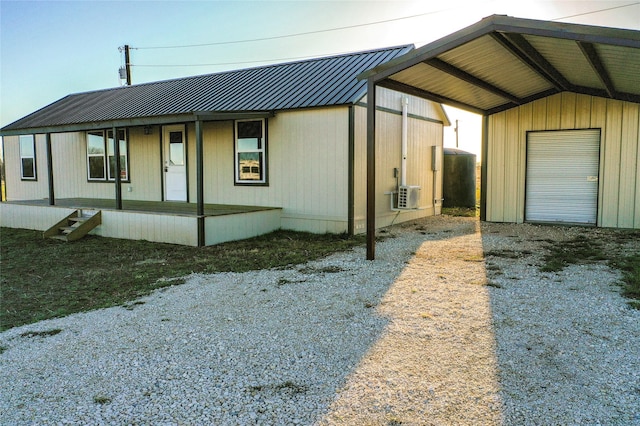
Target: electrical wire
[(316, 32), (596, 11), (292, 58), (295, 34)]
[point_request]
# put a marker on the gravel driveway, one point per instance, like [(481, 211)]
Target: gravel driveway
[(432, 332)]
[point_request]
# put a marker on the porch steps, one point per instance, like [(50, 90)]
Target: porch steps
[(74, 226)]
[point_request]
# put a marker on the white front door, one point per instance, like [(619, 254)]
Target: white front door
[(175, 163)]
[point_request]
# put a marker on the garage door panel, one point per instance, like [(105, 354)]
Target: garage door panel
[(562, 176)]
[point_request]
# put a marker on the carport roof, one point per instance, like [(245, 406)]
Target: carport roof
[(502, 62)]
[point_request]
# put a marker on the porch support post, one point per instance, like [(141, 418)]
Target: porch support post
[(116, 153), (371, 169), (52, 197), (483, 167), (351, 229), (200, 183)]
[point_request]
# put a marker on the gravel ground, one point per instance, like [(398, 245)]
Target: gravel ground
[(432, 332)]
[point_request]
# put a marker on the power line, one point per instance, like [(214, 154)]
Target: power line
[(242, 62), (596, 11), (293, 35)]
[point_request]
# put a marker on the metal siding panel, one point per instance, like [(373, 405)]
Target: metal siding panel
[(611, 175), (559, 167), (628, 165)]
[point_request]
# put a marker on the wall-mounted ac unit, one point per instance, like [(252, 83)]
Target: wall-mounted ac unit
[(408, 197)]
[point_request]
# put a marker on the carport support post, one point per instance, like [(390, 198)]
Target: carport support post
[(116, 153), (483, 167), (52, 197), (200, 183), (371, 169)]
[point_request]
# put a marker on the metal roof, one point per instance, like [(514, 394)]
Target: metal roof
[(502, 62), (309, 83)]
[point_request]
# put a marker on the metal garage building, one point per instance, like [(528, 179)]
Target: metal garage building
[(561, 108)]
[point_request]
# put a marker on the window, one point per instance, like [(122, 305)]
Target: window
[(27, 157), (250, 152), (101, 159)]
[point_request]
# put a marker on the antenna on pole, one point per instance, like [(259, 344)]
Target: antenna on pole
[(125, 71)]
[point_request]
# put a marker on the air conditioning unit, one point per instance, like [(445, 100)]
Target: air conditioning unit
[(408, 197)]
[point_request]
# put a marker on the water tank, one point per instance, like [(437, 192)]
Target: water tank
[(458, 178)]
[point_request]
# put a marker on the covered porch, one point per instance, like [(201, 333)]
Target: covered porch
[(157, 221)]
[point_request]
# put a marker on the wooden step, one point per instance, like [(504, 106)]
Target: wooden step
[(74, 226)]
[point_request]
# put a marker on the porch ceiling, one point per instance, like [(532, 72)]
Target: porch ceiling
[(502, 62)]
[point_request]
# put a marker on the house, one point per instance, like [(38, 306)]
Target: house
[(561, 108), (226, 156)]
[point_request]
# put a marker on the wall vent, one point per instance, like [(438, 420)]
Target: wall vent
[(408, 197)]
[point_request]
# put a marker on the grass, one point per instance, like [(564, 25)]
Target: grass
[(44, 278), (592, 249), (630, 267), (461, 211), (578, 250)]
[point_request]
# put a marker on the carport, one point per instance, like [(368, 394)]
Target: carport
[(588, 78)]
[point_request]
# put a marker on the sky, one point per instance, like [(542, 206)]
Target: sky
[(49, 49)]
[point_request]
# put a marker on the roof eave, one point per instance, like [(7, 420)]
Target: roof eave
[(142, 121)]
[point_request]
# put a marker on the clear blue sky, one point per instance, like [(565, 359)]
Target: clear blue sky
[(49, 49)]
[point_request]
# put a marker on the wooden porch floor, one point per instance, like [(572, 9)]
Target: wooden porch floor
[(158, 207)]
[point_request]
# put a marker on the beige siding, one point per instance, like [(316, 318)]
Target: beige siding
[(18, 189), (220, 229), (29, 217), (70, 168), (307, 168), (619, 187), (422, 135), (151, 227)]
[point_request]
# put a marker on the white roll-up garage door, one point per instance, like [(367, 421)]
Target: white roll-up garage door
[(562, 176)]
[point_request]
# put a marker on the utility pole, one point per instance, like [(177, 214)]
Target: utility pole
[(125, 72), (128, 65), (456, 130)]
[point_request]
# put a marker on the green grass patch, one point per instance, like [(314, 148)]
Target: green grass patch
[(461, 211), (606, 247), (630, 267), (44, 278), (581, 249)]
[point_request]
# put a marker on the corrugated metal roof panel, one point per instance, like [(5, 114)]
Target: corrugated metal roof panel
[(527, 59), (309, 83), (486, 59), (566, 57), (623, 65), (433, 80)]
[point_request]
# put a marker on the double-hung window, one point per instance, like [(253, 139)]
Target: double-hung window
[(101, 159), (27, 157), (251, 152)]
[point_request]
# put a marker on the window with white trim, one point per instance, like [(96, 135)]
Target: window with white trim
[(27, 157), (250, 152), (101, 160)]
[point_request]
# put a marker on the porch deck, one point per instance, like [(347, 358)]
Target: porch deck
[(168, 222), (157, 207)]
